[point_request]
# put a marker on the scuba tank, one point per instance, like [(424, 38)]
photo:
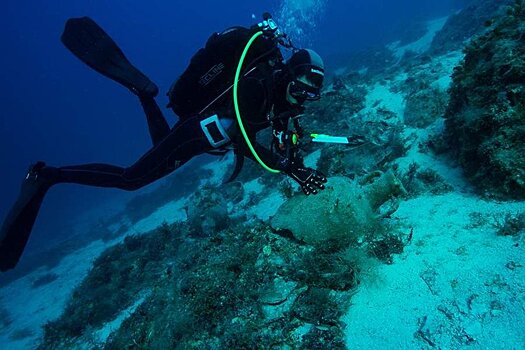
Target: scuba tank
[(209, 77)]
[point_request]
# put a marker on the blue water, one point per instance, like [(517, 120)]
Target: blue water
[(56, 109)]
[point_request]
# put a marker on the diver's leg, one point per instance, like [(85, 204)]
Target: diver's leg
[(93, 46), (184, 141), (19, 221), (157, 124)]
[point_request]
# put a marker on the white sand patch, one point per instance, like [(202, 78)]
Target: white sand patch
[(100, 336), (220, 168), (442, 83), (452, 286), (421, 45), (312, 159), (30, 308), (253, 186), (380, 96), (447, 63), (260, 209), (168, 213), (267, 207), (453, 176)]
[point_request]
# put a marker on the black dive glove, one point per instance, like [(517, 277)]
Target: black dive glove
[(310, 180)]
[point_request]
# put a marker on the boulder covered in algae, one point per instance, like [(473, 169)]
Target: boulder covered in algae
[(344, 213), (485, 119)]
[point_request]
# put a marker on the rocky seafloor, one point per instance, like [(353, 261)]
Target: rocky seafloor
[(417, 242)]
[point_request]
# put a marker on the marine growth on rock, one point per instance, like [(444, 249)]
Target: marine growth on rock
[(485, 119)]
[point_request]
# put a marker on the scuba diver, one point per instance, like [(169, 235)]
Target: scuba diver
[(234, 87)]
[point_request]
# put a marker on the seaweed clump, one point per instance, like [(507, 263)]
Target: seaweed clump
[(245, 288), (424, 107), (418, 181), (117, 278), (485, 119), (242, 287), (383, 144), (511, 224), (208, 211)]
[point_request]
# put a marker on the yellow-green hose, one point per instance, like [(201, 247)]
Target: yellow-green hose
[(236, 103)]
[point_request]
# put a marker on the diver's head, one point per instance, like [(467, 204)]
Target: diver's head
[(306, 69)]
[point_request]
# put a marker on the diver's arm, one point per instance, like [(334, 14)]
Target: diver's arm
[(287, 159)]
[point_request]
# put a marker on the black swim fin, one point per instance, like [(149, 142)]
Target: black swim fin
[(93, 46), (18, 224)]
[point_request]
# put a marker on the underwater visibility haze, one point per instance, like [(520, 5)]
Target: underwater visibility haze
[(67, 114), (375, 157)]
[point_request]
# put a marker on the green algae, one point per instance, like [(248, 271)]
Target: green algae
[(485, 119), (342, 214), (241, 287)]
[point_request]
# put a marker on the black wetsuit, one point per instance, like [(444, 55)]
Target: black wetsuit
[(262, 103)]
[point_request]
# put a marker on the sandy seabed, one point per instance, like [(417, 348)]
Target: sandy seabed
[(456, 285)]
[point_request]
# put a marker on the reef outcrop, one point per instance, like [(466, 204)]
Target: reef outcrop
[(345, 213), (197, 284), (485, 118)]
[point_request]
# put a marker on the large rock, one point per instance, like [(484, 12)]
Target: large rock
[(485, 119), (345, 211)]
